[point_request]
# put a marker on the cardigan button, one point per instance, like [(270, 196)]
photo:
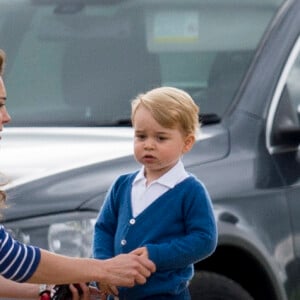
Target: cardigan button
[(123, 242), (132, 221)]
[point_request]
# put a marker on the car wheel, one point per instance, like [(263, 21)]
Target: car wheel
[(212, 286)]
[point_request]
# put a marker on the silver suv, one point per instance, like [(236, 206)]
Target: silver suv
[(73, 67)]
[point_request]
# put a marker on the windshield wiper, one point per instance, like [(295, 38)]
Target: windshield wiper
[(207, 119)]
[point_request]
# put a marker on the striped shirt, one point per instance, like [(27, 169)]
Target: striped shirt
[(18, 261)]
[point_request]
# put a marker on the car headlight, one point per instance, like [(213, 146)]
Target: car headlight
[(66, 234)]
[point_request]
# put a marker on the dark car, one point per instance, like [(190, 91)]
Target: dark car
[(72, 69)]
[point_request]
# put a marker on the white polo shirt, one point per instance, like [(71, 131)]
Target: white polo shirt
[(142, 196)]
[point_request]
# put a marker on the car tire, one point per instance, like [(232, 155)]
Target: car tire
[(212, 286)]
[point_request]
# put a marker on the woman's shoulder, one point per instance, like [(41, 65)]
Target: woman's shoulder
[(2, 232)]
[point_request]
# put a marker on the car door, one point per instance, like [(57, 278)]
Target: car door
[(283, 139)]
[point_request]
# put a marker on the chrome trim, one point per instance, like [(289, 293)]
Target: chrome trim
[(275, 101)]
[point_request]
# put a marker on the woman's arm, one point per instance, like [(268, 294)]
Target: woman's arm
[(11, 289), (122, 270), (15, 290), (25, 263)]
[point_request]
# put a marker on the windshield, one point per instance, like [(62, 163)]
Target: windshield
[(80, 63)]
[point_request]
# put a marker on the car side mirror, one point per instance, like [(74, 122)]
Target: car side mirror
[(289, 135), (286, 128)]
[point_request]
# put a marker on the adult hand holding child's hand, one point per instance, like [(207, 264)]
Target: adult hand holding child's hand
[(128, 269)]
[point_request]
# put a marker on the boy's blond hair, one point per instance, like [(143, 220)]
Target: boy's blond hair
[(170, 107)]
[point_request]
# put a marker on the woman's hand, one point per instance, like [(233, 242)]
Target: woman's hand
[(127, 270)]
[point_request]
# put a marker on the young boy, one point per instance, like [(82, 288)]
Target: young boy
[(161, 208)]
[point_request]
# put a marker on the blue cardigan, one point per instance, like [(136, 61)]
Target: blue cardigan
[(178, 230)]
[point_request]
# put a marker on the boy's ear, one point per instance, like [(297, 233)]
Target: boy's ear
[(189, 141)]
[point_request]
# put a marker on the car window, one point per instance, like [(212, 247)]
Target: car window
[(285, 108), (73, 64), (293, 87)]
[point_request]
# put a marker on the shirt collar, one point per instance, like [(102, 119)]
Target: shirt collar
[(169, 179)]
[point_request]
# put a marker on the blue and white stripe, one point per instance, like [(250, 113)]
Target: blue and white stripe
[(17, 261)]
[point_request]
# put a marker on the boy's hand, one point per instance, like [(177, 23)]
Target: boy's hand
[(106, 290), (142, 251), (86, 292)]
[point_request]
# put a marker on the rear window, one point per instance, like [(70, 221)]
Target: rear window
[(73, 63)]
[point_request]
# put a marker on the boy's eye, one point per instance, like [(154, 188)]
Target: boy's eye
[(140, 136), (161, 138)]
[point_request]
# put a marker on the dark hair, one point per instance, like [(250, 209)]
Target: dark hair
[(2, 201), (2, 61), (2, 197)]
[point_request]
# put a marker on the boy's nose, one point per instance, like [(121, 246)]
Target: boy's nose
[(149, 144)]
